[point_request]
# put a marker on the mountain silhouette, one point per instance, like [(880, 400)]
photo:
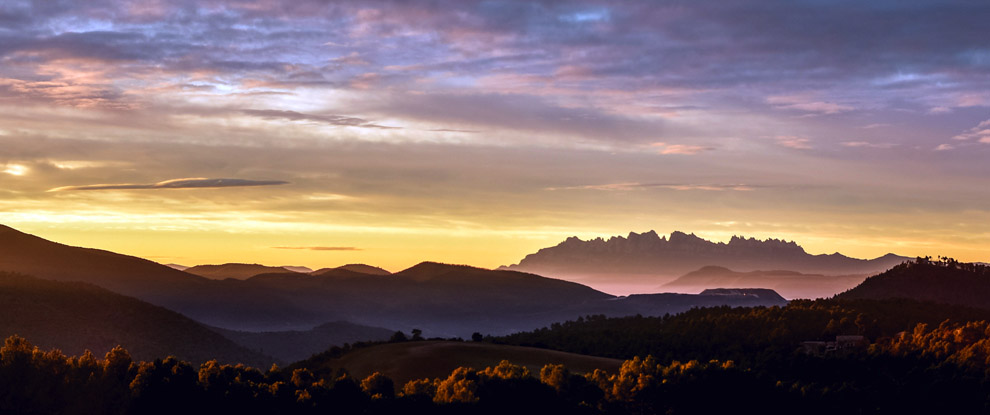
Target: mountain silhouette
[(789, 284), (233, 270), (361, 268), (217, 303), (641, 261), (440, 299), (946, 282), (75, 316)]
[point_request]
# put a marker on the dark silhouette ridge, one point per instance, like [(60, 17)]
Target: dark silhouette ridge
[(944, 281), (790, 284), (233, 270), (217, 303), (647, 258), (442, 300), (76, 316), (361, 268)]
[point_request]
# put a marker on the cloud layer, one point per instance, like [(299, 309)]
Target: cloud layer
[(193, 183), (445, 122), (320, 248)]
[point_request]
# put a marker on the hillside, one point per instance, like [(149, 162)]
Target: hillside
[(789, 284), (359, 268), (640, 262), (29, 254), (233, 270), (947, 282), (443, 300), (406, 361), (295, 345), (74, 317)]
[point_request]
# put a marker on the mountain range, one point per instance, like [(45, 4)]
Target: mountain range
[(233, 270), (643, 261), (440, 299)]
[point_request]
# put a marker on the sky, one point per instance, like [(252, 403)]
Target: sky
[(322, 133)]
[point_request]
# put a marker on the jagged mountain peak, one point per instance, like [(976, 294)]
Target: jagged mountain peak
[(647, 256)]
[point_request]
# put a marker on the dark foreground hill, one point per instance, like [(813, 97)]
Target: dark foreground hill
[(947, 282), (74, 317), (644, 261), (406, 361), (217, 303)]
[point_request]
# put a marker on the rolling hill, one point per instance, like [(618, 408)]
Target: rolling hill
[(407, 361), (360, 268), (233, 270), (947, 282), (640, 262), (74, 317), (230, 304), (789, 284)]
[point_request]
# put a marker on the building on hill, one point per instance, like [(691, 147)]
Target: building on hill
[(842, 344)]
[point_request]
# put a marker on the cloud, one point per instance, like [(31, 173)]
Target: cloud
[(671, 186), (339, 120), (451, 130), (866, 144), (191, 183), (979, 133), (320, 248), (797, 143), (944, 147), (875, 125), (683, 149), (807, 104), (15, 169)]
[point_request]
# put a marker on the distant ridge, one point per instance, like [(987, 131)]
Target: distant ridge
[(647, 259), (790, 284), (359, 268), (233, 270)]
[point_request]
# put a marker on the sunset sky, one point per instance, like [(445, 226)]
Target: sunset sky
[(321, 133)]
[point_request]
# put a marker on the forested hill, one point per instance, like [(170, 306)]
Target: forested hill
[(745, 335), (943, 281)]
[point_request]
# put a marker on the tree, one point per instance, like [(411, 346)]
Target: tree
[(378, 386), (398, 337)]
